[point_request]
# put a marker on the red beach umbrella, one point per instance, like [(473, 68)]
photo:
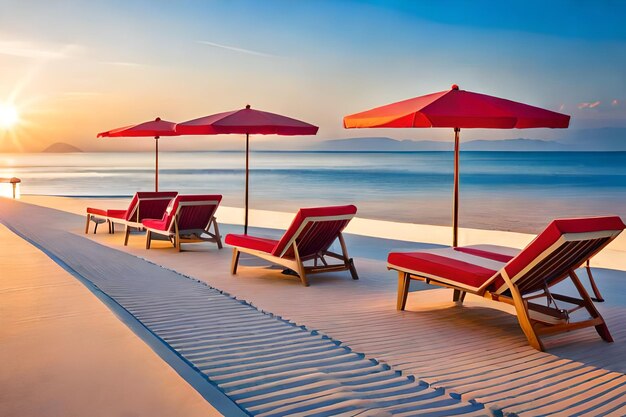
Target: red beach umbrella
[(249, 122), (457, 109), (155, 128)]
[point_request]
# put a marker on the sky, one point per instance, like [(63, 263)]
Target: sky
[(72, 69)]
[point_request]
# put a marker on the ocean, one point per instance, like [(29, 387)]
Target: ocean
[(519, 191)]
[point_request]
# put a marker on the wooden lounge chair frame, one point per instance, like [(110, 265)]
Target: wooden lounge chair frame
[(320, 263), (567, 244), (129, 224), (177, 236)]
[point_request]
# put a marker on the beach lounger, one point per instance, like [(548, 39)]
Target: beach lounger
[(144, 205), (187, 219), (519, 278), (506, 254), (308, 238)]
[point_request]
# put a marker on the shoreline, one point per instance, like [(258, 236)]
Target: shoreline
[(323, 151), (612, 257), (476, 212)]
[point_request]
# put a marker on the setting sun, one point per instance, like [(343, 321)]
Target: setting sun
[(8, 116)]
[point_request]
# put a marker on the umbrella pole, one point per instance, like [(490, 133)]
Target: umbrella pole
[(455, 203), (245, 224), (156, 169)]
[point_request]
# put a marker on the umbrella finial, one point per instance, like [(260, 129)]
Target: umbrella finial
[(247, 106), (158, 119), (454, 87)]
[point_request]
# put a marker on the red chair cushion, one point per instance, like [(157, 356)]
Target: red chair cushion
[(474, 265), (444, 265), (158, 224), (97, 211), (118, 214), (251, 242), (491, 253)]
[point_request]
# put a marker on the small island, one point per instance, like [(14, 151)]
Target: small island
[(61, 147)]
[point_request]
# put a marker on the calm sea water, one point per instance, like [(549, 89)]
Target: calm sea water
[(510, 190)]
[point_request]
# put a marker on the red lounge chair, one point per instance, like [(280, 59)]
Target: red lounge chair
[(187, 219), (509, 253), (144, 205), (516, 277), (308, 238)]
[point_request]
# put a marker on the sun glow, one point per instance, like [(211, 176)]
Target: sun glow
[(9, 116)]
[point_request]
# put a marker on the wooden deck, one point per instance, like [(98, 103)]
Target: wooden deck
[(444, 345), (435, 341)]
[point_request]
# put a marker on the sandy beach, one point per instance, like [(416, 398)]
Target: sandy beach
[(578, 374), (64, 353)]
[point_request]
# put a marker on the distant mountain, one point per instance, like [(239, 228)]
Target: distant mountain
[(521, 144), (381, 144), (61, 147), (599, 139), (388, 144)]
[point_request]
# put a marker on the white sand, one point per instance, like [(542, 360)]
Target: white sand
[(64, 353)]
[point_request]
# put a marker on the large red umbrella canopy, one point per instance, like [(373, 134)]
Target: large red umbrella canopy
[(154, 128), (457, 109), (247, 122)]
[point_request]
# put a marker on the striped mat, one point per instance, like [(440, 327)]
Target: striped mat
[(266, 365)]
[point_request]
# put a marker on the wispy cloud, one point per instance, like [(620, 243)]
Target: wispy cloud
[(236, 49), (589, 105), (33, 50), (615, 102), (562, 107)]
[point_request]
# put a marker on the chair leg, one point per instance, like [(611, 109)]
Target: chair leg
[(349, 262), (235, 261), (148, 237), (458, 296), (301, 271), (302, 274), (522, 313), (352, 268), (601, 328), (596, 292), (404, 282), (526, 325), (112, 227), (87, 224), (126, 235), (95, 228), (177, 240), (218, 237), (176, 235)]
